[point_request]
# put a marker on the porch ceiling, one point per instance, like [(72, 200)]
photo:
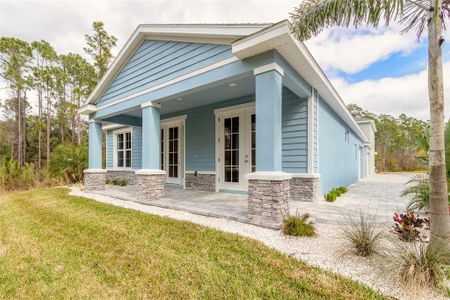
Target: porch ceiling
[(241, 88)]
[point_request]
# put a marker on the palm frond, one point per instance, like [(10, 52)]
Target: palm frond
[(312, 16), (414, 16)]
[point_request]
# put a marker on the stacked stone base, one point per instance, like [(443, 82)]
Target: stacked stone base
[(150, 185), (129, 176), (268, 202), (305, 188), (94, 180), (200, 182)]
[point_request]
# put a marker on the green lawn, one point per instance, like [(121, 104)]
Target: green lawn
[(56, 246)]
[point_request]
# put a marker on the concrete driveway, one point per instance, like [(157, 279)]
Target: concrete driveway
[(377, 195)]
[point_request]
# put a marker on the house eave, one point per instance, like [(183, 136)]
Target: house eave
[(87, 109), (280, 38)]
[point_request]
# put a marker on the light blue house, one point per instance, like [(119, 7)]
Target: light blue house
[(238, 108)]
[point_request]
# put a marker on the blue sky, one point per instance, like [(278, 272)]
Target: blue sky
[(379, 69)]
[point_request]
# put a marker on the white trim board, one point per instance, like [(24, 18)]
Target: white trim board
[(233, 108)]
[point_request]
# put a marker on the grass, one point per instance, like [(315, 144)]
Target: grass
[(57, 246)]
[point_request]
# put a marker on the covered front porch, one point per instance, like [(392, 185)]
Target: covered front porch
[(248, 133)]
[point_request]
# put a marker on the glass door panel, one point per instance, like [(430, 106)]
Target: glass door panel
[(173, 152), (231, 149)]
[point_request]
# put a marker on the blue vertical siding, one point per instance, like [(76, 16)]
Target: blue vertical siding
[(158, 61), (294, 133), (109, 149), (136, 147), (316, 132), (338, 158)]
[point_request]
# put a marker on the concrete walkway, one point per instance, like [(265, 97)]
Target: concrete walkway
[(377, 195)]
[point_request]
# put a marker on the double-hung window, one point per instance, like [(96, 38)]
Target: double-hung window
[(123, 149)]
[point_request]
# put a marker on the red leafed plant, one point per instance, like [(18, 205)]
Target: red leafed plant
[(407, 225)]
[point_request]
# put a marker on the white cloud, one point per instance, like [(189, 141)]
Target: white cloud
[(394, 95), (352, 51)]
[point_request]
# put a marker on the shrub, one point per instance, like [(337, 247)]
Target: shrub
[(363, 235), (68, 161), (407, 225), (118, 182), (334, 193), (418, 188), (337, 191), (298, 226), (422, 266), (342, 189), (13, 177), (330, 196)]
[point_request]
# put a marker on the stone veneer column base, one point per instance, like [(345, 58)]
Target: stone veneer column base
[(150, 185), (305, 187), (94, 179), (268, 196), (200, 181)]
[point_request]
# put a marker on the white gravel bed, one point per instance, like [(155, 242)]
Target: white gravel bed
[(325, 250)]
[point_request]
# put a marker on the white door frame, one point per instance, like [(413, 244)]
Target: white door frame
[(165, 124), (244, 112)]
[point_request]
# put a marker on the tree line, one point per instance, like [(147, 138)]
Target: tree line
[(398, 141), (61, 83)]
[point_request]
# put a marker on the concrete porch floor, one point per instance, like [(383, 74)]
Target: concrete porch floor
[(377, 195)]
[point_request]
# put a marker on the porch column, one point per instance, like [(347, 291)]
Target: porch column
[(268, 187), (150, 179), (95, 176)]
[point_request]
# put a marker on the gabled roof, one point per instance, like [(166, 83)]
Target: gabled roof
[(200, 33), (246, 40)]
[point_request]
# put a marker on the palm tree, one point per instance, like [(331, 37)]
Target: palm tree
[(311, 16)]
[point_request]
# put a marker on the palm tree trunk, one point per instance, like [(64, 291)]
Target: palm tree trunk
[(19, 128), (440, 226), (39, 127), (48, 126)]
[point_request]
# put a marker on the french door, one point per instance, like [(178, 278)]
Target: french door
[(237, 148), (172, 151)]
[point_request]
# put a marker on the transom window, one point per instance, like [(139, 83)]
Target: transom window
[(123, 150)]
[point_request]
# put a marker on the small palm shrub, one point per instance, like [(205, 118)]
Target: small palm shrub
[(298, 226), (419, 190), (330, 196), (423, 265), (363, 235), (68, 162)]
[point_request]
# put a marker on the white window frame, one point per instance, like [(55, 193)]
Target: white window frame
[(115, 133), (180, 122)]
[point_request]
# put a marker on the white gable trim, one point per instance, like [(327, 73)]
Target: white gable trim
[(217, 34)]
